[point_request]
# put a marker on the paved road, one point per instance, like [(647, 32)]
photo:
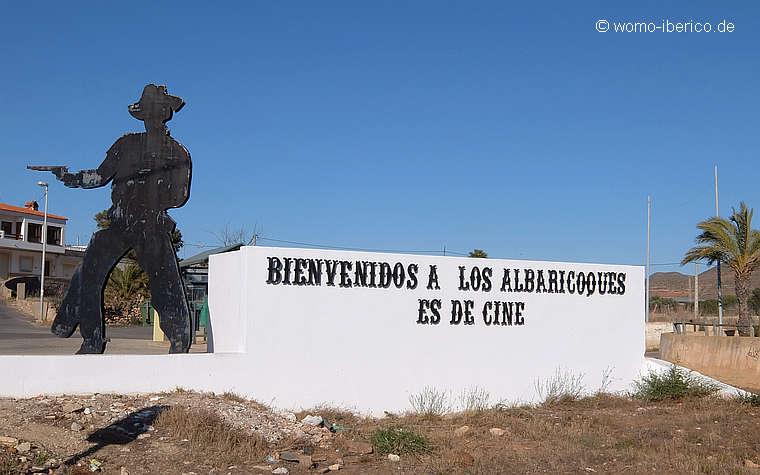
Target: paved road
[(19, 336), (14, 325)]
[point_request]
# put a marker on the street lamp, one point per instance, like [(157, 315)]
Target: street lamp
[(44, 245)]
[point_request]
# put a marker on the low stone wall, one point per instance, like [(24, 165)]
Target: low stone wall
[(31, 307), (731, 359)]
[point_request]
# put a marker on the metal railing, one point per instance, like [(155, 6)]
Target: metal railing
[(729, 329)]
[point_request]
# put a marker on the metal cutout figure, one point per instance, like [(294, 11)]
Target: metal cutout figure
[(149, 173)]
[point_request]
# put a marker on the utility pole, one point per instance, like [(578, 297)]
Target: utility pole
[(696, 290), (649, 210), (44, 245), (691, 289), (720, 288)]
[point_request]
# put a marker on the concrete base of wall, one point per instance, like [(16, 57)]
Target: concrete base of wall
[(654, 330), (733, 360), (31, 307)]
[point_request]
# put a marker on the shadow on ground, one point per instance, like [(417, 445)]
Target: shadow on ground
[(121, 432)]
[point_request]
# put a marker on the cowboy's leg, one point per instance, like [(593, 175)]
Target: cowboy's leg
[(70, 311), (67, 318), (83, 302), (158, 260)]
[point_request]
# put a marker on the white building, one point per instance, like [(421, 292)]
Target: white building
[(21, 244)]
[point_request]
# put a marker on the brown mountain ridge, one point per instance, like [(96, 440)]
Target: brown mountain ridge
[(675, 284)]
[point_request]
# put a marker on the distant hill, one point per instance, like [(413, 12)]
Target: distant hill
[(675, 284)]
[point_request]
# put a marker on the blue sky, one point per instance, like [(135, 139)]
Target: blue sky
[(401, 125)]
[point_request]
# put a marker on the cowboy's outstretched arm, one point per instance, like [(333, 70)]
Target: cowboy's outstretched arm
[(91, 178)]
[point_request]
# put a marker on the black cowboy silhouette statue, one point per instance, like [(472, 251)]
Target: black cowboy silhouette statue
[(149, 172)]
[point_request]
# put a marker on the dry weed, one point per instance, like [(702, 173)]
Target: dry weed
[(208, 433)]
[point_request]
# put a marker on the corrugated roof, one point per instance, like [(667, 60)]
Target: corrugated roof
[(203, 256), (18, 209)]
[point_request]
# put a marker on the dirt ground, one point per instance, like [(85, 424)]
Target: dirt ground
[(191, 433)]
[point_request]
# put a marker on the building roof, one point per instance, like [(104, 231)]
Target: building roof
[(203, 256), (19, 209)]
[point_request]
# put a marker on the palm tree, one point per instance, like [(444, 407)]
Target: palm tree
[(129, 283), (732, 242)]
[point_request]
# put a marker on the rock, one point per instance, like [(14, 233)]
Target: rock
[(323, 470), (305, 460), (123, 471), (334, 467), (393, 458), (312, 420), (289, 456), (24, 448), (461, 431), (143, 436), (280, 470), (750, 464), (9, 441), (496, 432), (87, 411), (76, 426), (359, 447), (289, 416), (72, 407)]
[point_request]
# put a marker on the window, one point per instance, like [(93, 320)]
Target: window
[(47, 268), (35, 232), (6, 227), (25, 263), (54, 235)]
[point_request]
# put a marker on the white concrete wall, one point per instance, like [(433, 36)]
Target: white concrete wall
[(298, 346), (227, 298), (365, 345)]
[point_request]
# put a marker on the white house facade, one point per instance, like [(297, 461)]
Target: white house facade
[(21, 235)]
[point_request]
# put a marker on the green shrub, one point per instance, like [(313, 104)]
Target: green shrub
[(676, 383), (399, 441)]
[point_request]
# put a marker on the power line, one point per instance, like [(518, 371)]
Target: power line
[(398, 251), (338, 247), (345, 248)]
